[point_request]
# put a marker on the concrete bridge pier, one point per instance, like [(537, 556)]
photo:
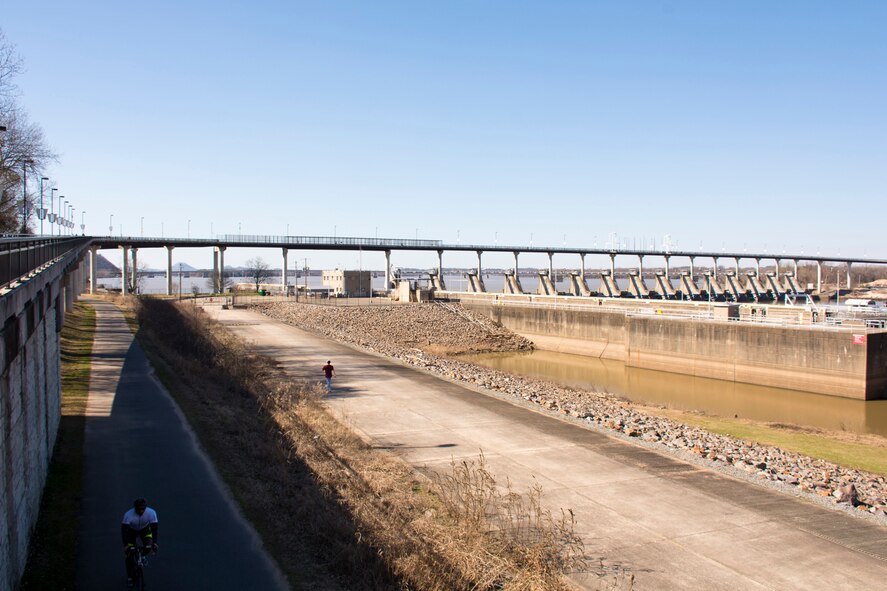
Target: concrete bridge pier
[(124, 288), (387, 271), (135, 270), (818, 276), (582, 266), (93, 267), (641, 267), (283, 273), (169, 250), (714, 272), (551, 266), (69, 283), (667, 266), (736, 260), (692, 259), (795, 261), (439, 265), (515, 263), (849, 264), (757, 267), (479, 267), (215, 275), (219, 271), (613, 265)]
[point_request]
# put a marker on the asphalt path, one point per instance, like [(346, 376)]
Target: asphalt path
[(138, 444), (673, 524)]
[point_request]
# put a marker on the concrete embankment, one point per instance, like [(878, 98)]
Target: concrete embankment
[(825, 360), (409, 332)]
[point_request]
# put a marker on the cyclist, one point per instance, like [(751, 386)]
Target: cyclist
[(138, 522)]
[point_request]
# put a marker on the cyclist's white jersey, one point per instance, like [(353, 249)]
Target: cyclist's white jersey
[(140, 522)]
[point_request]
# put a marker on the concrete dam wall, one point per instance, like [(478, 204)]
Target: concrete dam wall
[(826, 360)]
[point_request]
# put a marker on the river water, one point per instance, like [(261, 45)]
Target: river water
[(682, 392), (155, 283)]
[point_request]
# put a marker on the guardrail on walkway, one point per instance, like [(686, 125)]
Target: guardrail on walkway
[(19, 257)]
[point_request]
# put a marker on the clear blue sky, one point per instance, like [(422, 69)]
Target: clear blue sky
[(758, 125)]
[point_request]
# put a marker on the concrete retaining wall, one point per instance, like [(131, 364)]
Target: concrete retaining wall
[(30, 404), (808, 358)]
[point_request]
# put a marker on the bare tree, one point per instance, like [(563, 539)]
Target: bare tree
[(258, 270), (23, 149), (215, 286)]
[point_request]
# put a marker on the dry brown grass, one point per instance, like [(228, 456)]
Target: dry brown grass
[(348, 515), (56, 530)]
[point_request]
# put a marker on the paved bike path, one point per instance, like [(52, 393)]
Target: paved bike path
[(673, 524), (138, 444)]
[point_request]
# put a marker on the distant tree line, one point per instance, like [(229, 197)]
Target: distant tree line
[(24, 153)]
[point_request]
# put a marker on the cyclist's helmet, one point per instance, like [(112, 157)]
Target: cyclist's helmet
[(139, 503)]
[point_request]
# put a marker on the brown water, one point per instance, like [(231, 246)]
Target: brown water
[(677, 391)]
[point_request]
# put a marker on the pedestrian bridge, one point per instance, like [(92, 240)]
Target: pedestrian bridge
[(752, 287)]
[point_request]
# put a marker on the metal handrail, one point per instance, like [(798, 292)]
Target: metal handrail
[(21, 256)]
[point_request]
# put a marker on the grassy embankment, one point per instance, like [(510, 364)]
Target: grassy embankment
[(863, 452), (334, 512), (56, 531)]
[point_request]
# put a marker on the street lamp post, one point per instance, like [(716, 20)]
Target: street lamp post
[(82, 223), (41, 214), (189, 228), (65, 219), (111, 225), (52, 211), (58, 217), (25, 164)]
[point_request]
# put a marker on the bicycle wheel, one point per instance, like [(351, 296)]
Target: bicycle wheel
[(139, 579)]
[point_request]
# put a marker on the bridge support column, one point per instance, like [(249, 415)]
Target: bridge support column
[(515, 263), (714, 272), (757, 267), (479, 267), (93, 266), (283, 273), (849, 264), (220, 278), (613, 266), (215, 275), (551, 266), (169, 250), (795, 261), (818, 276), (440, 266), (692, 259), (135, 270), (387, 271), (124, 278), (667, 266), (737, 265), (641, 266), (69, 282), (582, 266)]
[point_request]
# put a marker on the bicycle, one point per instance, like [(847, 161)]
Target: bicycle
[(139, 554)]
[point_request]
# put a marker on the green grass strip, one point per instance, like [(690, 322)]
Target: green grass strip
[(844, 451)]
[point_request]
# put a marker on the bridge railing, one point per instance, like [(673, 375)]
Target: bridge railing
[(20, 256), (331, 241)]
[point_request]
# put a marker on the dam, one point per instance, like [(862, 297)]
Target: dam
[(775, 346)]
